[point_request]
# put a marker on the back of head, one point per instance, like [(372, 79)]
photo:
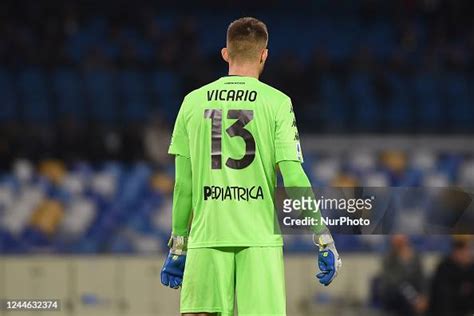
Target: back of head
[(246, 39)]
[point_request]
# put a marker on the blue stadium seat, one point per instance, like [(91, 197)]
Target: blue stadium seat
[(132, 87), (334, 102), (428, 101), (121, 244), (166, 22), (210, 33), (340, 42), (10, 244), (165, 82), (363, 98), (86, 246), (34, 95), (113, 217), (92, 35), (458, 101), (102, 96), (76, 46), (35, 238), (67, 87), (411, 178), (134, 184), (8, 97), (144, 50), (380, 38), (399, 114), (450, 165), (166, 90)]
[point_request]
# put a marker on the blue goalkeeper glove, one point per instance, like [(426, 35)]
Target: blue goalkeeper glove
[(329, 261), (173, 268)]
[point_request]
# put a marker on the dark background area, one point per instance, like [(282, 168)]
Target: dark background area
[(82, 79)]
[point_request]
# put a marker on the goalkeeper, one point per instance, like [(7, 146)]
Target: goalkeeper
[(229, 138)]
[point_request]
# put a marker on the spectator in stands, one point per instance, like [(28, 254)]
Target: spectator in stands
[(402, 279), (452, 288), (156, 137)]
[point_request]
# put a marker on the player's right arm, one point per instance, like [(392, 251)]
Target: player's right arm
[(173, 268), (289, 158), (182, 197)]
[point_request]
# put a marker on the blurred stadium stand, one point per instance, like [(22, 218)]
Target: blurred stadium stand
[(115, 207), (350, 66)]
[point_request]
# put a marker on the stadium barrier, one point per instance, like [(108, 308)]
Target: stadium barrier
[(130, 285)]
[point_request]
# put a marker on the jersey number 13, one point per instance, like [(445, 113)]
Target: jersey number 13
[(237, 129)]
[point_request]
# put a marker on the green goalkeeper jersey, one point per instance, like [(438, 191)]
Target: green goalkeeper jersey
[(235, 130)]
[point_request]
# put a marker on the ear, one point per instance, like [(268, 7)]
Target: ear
[(264, 55), (225, 54)]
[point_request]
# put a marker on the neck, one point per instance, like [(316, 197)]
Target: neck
[(246, 70)]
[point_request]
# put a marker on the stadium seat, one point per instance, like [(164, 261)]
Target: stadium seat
[(121, 244), (360, 88), (166, 89), (428, 101), (424, 160), (334, 103), (458, 101), (97, 213), (399, 114), (67, 87), (34, 96), (102, 95), (134, 93), (8, 97), (380, 38), (339, 38), (376, 179)]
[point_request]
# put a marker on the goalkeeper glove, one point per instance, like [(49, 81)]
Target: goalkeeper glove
[(328, 258), (173, 268)]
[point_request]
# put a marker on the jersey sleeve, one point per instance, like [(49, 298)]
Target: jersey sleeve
[(179, 139), (287, 140)]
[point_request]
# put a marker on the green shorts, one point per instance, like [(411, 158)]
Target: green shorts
[(254, 274)]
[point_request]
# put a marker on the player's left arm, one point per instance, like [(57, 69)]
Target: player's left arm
[(329, 260), (289, 157)]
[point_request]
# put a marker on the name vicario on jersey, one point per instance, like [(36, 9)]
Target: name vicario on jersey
[(232, 95)]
